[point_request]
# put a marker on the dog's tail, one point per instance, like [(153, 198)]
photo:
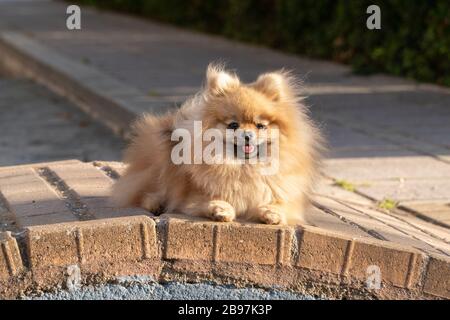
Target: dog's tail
[(127, 191), (150, 142)]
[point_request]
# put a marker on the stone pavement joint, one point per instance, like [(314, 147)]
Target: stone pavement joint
[(334, 256), (110, 171), (65, 192), (369, 231)]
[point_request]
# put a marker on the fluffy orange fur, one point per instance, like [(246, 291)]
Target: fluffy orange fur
[(226, 191)]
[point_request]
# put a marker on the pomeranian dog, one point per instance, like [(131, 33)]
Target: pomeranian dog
[(254, 175)]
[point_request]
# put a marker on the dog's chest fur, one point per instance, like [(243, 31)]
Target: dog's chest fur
[(244, 189)]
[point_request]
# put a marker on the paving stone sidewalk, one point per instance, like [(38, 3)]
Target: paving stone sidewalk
[(389, 138), (37, 126), (387, 175)]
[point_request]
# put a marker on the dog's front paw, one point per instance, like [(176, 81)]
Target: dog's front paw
[(271, 215), (150, 201), (221, 211)]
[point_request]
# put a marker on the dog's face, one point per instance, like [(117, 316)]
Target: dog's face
[(246, 120), (249, 117)]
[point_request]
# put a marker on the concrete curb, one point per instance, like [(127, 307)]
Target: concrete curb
[(112, 102), (70, 235)]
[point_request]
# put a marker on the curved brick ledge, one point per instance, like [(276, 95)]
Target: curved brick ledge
[(63, 226)]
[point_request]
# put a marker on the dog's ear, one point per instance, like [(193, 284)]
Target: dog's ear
[(218, 81), (275, 85)]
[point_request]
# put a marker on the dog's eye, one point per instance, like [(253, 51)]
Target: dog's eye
[(261, 126), (233, 125)]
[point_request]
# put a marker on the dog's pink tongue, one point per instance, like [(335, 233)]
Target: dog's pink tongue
[(248, 148)]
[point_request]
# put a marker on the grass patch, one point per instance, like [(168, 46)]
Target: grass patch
[(86, 60), (387, 204), (153, 93), (345, 185)]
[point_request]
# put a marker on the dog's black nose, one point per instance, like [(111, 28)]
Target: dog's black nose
[(248, 135)]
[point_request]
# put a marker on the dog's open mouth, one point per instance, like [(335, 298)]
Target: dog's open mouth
[(246, 151), (248, 148)]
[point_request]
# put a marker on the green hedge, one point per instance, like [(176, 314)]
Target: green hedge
[(414, 40)]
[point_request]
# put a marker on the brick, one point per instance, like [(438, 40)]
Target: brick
[(121, 239), (437, 278), (39, 165), (428, 206), (399, 267), (10, 259), (422, 189), (259, 244), (321, 219), (91, 242), (430, 228), (52, 245), (39, 207), (98, 202), (4, 270), (46, 219), (25, 184), (84, 179), (320, 251), (435, 210), (28, 195), (328, 188), (103, 208), (386, 168), (189, 239)]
